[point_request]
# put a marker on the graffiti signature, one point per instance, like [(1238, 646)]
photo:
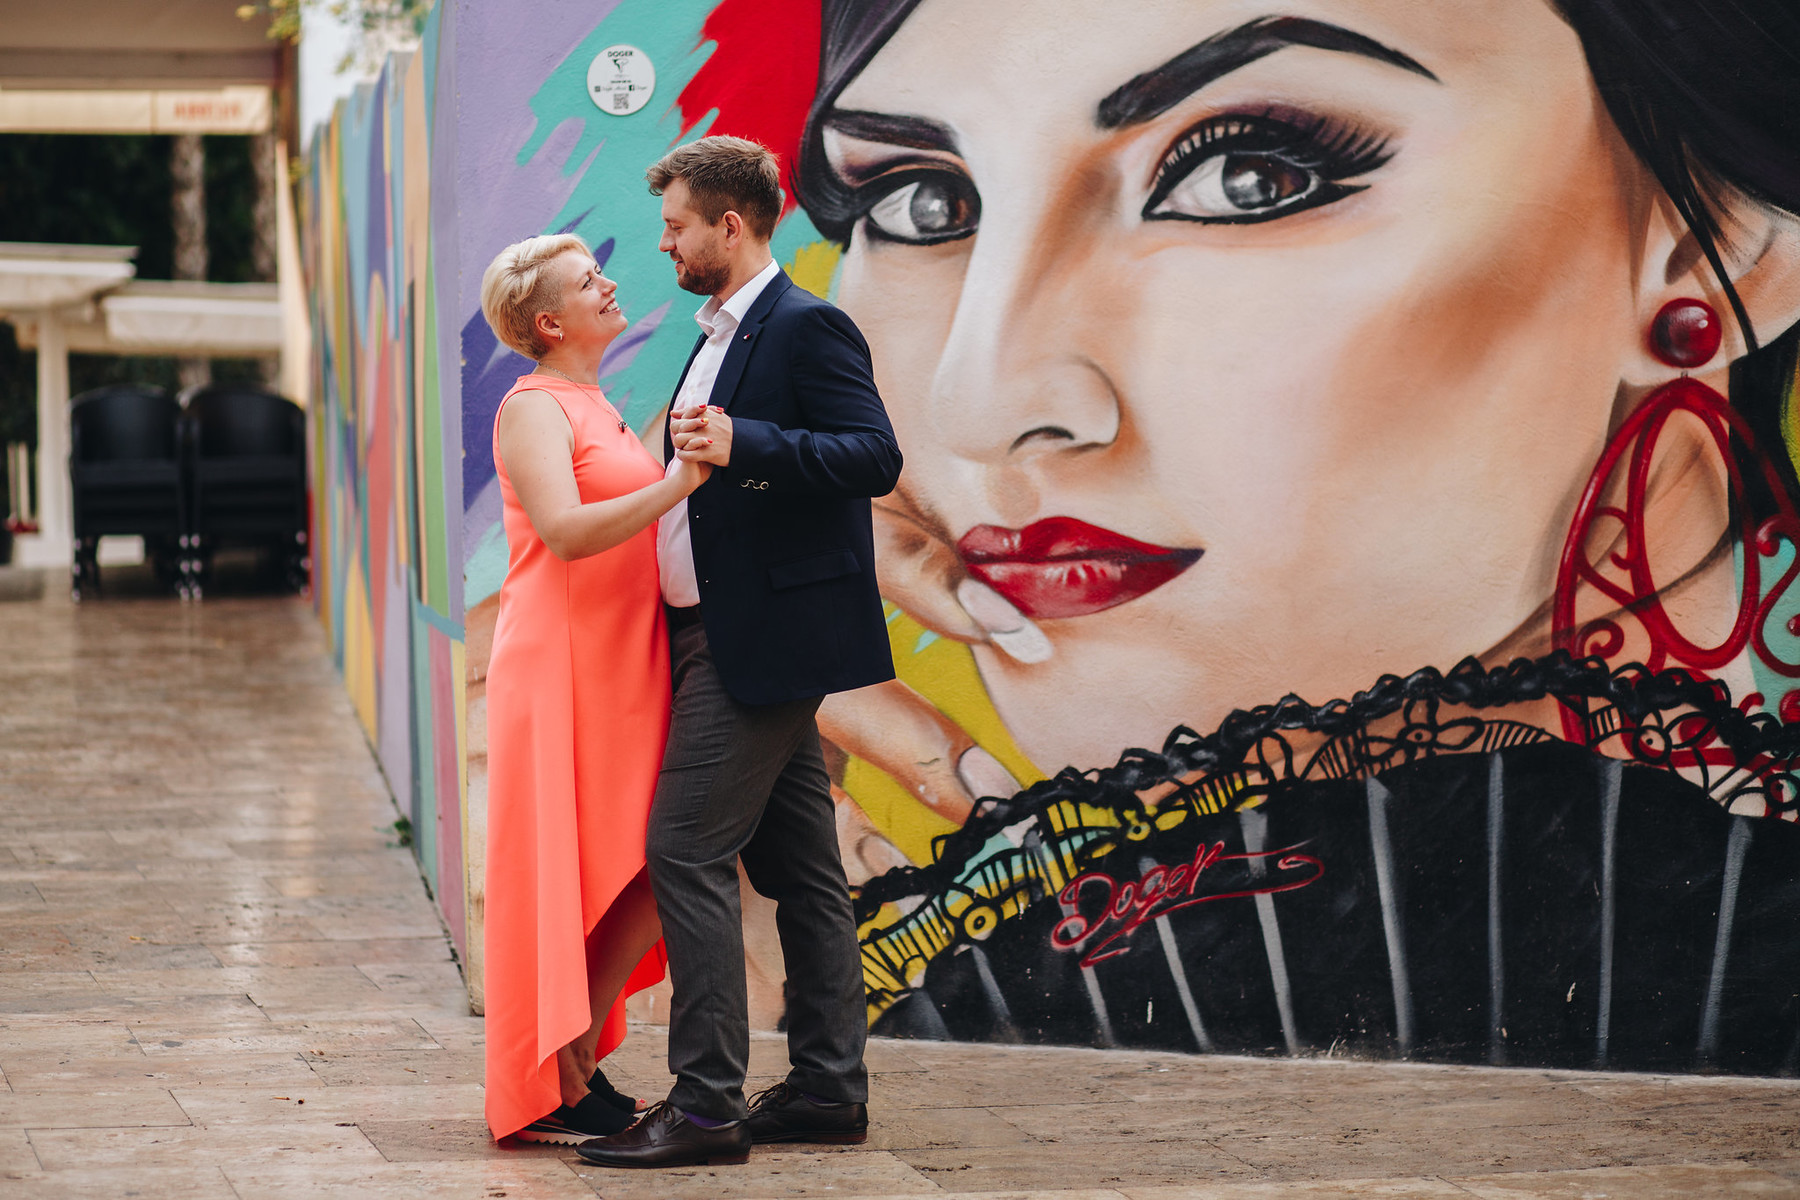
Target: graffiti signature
[(1162, 890)]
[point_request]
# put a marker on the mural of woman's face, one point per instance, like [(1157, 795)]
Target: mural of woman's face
[(1233, 356)]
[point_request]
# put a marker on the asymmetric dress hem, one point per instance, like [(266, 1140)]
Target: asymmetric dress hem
[(577, 711)]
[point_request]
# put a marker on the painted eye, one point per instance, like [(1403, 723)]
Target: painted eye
[(933, 208), (1225, 186)]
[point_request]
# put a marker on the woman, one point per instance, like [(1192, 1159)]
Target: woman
[(1285, 360), (1243, 354), (577, 703)]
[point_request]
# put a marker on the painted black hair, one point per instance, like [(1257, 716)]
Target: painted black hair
[(1705, 92), (1707, 95)]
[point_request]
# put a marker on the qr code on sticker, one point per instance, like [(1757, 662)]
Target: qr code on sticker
[(621, 100)]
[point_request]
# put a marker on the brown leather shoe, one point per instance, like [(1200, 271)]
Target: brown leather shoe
[(784, 1114), (664, 1137)]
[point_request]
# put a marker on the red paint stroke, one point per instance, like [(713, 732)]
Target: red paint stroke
[(761, 77), (1159, 891)]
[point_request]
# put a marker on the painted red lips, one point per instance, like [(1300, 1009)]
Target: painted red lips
[(1061, 567)]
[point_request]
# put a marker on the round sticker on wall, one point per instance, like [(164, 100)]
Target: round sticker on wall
[(620, 80)]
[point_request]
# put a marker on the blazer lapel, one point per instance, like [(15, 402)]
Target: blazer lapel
[(731, 371), (668, 439)]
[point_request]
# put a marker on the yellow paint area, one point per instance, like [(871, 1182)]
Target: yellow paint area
[(1790, 418), (813, 266), (359, 646)]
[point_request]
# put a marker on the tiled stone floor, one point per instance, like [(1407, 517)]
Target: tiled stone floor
[(221, 976)]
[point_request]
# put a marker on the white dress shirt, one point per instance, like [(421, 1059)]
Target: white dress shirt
[(674, 548)]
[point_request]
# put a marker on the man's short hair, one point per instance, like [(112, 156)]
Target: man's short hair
[(725, 174)]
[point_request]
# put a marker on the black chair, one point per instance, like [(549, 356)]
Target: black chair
[(125, 474), (246, 458)]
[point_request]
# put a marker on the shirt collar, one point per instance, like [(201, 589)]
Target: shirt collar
[(739, 304)]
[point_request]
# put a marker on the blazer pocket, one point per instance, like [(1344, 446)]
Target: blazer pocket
[(817, 568)]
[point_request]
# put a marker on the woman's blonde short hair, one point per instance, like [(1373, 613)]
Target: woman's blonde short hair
[(515, 288)]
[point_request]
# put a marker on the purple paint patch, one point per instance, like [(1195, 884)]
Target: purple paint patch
[(484, 510), (620, 354), (448, 790)]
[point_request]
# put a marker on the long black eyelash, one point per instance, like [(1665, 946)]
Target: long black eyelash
[(878, 188), (1336, 151)]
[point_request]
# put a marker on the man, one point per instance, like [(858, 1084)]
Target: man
[(768, 571)]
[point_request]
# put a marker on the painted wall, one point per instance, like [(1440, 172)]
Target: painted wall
[(1313, 363), (387, 559)]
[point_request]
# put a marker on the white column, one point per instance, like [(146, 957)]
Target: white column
[(54, 546)]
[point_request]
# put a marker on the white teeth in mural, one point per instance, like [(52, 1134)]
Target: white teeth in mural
[(1007, 627), (982, 775)]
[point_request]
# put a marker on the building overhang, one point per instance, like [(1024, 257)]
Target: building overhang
[(35, 276), (142, 67), (236, 109)]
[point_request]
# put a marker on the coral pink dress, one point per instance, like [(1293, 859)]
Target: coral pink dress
[(578, 710)]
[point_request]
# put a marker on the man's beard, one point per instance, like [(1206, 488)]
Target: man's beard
[(704, 277)]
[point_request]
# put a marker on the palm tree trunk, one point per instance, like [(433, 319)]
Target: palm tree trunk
[(187, 171), (262, 220)]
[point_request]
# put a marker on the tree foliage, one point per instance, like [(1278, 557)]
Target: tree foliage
[(379, 27)]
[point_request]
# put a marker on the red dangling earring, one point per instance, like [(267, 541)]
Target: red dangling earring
[(1685, 334)]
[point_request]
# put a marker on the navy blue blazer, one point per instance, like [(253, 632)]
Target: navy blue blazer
[(783, 545)]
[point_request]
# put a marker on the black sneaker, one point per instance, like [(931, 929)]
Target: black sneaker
[(599, 1085), (573, 1125), (784, 1114)]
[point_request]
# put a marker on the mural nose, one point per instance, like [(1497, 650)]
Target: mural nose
[(1020, 415)]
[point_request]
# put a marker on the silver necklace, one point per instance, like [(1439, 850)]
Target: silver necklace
[(577, 383)]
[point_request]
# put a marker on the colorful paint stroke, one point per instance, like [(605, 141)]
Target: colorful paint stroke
[(387, 578)]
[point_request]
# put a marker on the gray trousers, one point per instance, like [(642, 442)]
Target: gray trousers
[(748, 781)]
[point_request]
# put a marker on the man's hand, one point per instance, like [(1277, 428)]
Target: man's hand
[(702, 435)]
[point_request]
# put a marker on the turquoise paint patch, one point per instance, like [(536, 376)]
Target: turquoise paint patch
[(925, 639), (424, 757), (1783, 645), (427, 615), (610, 199), (428, 46), (485, 570)]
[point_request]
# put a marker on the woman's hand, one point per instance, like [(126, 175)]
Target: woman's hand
[(894, 728), (703, 434), (536, 442), (689, 473), (921, 571)]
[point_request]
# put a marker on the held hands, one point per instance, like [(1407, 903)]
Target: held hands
[(702, 435), (690, 473)]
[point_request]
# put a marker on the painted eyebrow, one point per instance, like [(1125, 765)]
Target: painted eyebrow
[(1157, 91), (916, 133)]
